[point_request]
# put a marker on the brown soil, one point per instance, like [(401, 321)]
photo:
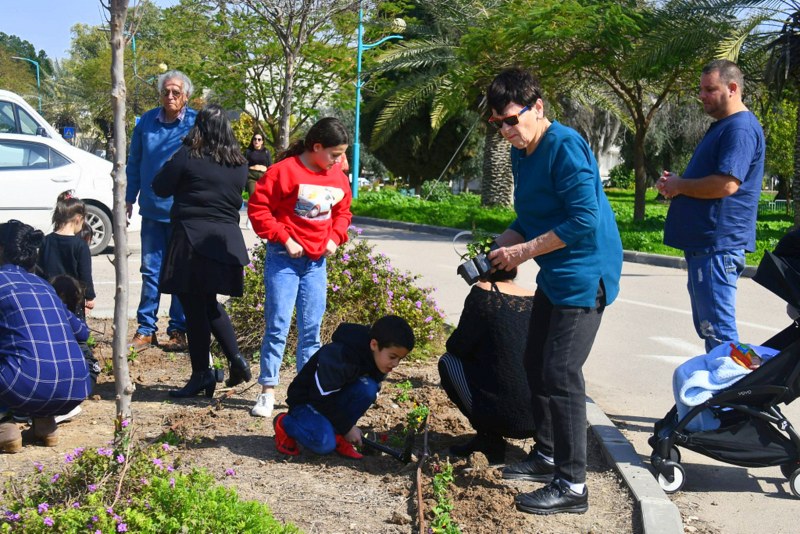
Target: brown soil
[(328, 494)]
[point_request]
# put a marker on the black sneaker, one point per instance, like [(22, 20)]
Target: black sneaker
[(494, 447), (534, 468), (555, 498)]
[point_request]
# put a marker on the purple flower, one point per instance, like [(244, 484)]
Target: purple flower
[(374, 278), (92, 488), (345, 257), (11, 516), (390, 293), (55, 478), (165, 446), (230, 472), (68, 459), (110, 511), (43, 507), (125, 423), (95, 519), (418, 304), (122, 527), (144, 481), (158, 463), (39, 467), (76, 505), (48, 521), (98, 531), (335, 288), (172, 483), (120, 458), (103, 451), (170, 469), (428, 319)]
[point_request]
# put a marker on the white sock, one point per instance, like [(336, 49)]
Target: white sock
[(548, 459), (577, 488)]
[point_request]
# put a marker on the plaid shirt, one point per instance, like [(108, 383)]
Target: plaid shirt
[(42, 369)]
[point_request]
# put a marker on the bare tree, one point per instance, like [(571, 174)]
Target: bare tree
[(118, 10), (296, 24)]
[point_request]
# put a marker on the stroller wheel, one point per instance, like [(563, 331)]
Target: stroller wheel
[(789, 469), (675, 454), (678, 478), (794, 483)]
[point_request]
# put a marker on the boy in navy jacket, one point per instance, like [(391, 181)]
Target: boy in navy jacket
[(337, 386)]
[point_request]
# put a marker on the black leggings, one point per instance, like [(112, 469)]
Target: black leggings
[(206, 316)]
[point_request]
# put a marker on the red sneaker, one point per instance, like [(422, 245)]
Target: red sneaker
[(283, 443), (346, 449)]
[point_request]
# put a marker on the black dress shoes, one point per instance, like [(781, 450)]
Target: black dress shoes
[(203, 381), (555, 498), (240, 371), (534, 468)]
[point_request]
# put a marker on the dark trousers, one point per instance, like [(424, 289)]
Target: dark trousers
[(559, 341), (204, 316)]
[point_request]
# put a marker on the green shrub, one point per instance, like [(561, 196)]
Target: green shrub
[(128, 489), (436, 191), (622, 177), (363, 286)]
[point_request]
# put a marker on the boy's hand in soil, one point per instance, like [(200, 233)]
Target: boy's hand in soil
[(354, 435)]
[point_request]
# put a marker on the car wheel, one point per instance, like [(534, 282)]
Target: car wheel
[(101, 225)]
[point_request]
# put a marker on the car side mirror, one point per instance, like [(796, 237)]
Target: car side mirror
[(41, 131)]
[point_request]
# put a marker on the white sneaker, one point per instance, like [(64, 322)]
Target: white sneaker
[(69, 415), (264, 404)]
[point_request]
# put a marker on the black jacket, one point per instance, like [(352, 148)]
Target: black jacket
[(344, 360)]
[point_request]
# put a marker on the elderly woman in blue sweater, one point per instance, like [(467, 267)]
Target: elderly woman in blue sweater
[(42, 370), (565, 223)]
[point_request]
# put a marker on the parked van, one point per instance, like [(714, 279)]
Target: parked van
[(37, 164)]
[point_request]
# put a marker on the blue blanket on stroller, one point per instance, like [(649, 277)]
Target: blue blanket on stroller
[(700, 378)]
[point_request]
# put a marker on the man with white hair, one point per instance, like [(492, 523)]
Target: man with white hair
[(157, 136)]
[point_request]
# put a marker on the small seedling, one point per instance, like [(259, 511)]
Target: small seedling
[(403, 390)]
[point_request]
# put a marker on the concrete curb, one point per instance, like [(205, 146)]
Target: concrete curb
[(657, 512)]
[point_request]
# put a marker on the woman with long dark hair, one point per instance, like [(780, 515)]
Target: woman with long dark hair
[(206, 251), (42, 370), (258, 159), (302, 208)]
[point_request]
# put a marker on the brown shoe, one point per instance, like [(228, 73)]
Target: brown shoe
[(10, 437), (176, 343), (43, 430), (143, 341)]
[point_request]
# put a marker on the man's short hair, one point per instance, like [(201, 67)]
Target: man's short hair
[(728, 72), (392, 331), (176, 75)]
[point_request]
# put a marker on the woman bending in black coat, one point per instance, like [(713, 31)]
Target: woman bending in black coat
[(482, 371), (206, 251)]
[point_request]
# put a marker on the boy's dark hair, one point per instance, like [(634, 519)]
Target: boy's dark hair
[(69, 290), (513, 85), (392, 331)]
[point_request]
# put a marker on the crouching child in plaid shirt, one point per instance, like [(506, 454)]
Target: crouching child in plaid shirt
[(337, 386)]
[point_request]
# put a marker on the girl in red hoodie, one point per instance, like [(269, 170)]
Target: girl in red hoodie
[(301, 206)]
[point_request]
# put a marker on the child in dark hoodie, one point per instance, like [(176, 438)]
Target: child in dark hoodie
[(337, 386)]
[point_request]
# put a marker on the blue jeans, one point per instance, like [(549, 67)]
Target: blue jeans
[(314, 431), (559, 341), (155, 237), (712, 291), (291, 283)]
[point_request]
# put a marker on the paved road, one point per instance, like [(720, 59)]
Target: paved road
[(644, 336)]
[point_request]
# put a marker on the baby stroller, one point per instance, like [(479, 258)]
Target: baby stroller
[(753, 432)]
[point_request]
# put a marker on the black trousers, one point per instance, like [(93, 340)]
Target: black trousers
[(206, 316), (559, 341)]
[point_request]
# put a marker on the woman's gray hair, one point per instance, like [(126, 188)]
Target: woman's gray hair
[(176, 75)]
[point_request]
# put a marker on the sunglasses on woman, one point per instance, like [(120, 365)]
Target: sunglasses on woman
[(511, 120), (257, 139)]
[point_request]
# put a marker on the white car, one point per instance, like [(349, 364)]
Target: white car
[(36, 165)]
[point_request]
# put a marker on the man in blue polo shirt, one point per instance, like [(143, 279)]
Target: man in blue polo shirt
[(712, 216)]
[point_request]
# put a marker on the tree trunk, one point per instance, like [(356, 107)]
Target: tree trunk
[(282, 142), (641, 174), (796, 177), (497, 185), (124, 387)]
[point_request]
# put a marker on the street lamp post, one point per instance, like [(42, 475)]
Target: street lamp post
[(360, 49), (38, 84)]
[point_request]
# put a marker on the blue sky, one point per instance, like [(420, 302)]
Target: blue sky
[(46, 23)]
